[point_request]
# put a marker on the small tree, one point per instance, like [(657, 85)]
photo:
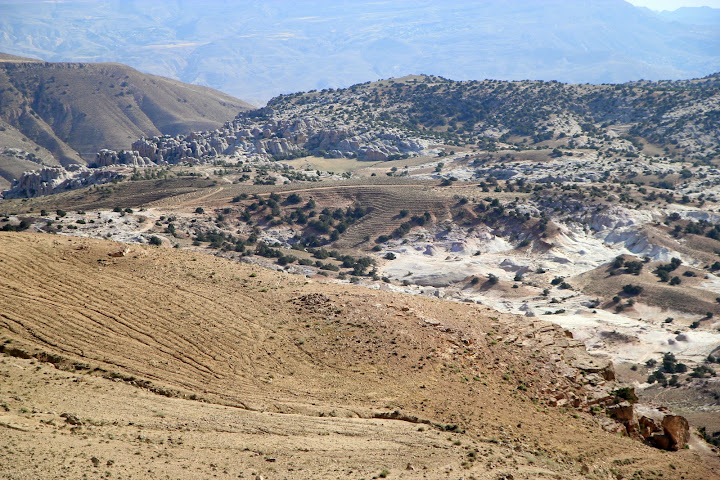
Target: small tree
[(619, 262), (631, 289), (294, 199), (633, 267)]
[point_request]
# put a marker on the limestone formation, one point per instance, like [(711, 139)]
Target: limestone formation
[(586, 382), (49, 180), (264, 132), (132, 158), (656, 427)]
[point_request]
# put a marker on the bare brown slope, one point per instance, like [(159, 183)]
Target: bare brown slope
[(76, 109), (19, 154), (267, 342)]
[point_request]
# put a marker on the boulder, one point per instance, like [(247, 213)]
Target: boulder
[(625, 414), (648, 427), (661, 441), (374, 156), (600, 366), (677, 430)]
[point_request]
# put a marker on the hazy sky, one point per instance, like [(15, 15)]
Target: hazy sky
[(674, 4)]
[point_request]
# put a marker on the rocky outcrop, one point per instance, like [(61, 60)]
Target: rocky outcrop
[(193, 148), (625, 413), (677, 430), (656, 427), (107, 157), (574, 378), (49, 180), (649, 427), (263, 132)]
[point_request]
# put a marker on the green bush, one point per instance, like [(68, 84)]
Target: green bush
[(630, 289)]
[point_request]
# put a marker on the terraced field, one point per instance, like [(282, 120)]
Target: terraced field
[(384, 201), (298, 378), (385, 205), (126, 194)]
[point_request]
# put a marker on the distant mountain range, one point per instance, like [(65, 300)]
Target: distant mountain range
[(695, 16), (257, 49), (63, 113)]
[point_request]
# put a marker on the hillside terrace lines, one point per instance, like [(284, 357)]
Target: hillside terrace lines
[(301, 442), (86, 326), (164, 193), (155, 318), (178, 201), (85, 311), (168, 337), (383, 201), (386, 207), (228, 191)]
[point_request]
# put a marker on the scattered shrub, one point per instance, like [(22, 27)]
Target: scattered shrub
[(630, 289)]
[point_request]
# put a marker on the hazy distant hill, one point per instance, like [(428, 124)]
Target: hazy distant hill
[(256, 49), (65, 112), (698, 16)]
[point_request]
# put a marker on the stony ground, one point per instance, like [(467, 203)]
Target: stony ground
[(169, 364)]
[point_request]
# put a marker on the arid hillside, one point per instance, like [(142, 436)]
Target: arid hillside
[(72, 110), (145, 362)]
